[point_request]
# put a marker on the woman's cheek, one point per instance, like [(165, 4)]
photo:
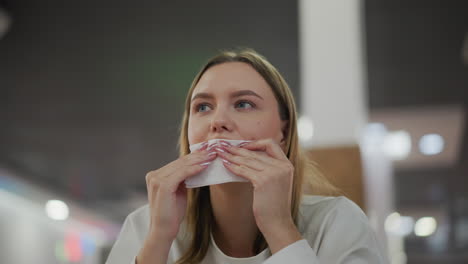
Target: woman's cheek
[(256, 130), (195, 131)]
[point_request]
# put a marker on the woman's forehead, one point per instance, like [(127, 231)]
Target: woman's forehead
[(231, 76)]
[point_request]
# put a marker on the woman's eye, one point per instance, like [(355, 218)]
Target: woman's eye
[(244, 104), (202, 108)]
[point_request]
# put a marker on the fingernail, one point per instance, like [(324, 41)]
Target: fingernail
[(220, 150), (203, 146), (212, 153), (225, 144), (205, 164), (225, 161), (211, 146)]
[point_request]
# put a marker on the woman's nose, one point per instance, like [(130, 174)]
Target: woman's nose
[(221, 121)]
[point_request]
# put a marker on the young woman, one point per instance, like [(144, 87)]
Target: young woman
[(240, 95)]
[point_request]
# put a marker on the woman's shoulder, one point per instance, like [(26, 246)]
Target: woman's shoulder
[(131, 236), (139, 214), (327, 203), (336, 225), (138, 221), (318, 211)]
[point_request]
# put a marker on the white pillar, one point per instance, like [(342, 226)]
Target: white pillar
[(332, 70), (333, 92)]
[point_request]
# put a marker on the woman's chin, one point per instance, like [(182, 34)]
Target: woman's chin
[(232, 186)]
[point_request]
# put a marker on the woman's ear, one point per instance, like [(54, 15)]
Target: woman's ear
[(284, 132)]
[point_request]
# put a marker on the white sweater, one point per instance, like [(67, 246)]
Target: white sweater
[(335, 230)]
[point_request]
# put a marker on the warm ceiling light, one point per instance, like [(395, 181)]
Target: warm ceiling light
[(431, 144), (397, 145), (56, 209), (399, 225), (305, 128), (425, 226)]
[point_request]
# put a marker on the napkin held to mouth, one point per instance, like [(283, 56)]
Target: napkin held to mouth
[(215, 173)]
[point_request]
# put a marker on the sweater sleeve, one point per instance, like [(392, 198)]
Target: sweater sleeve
[(345, 238)]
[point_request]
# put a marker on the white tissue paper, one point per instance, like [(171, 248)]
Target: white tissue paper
[(215, 173)]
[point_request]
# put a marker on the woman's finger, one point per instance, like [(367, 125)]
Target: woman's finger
[(267, 145), (199, 157), (249, 154), (248, 161), (203, 146), (242, 171), (183, 173)]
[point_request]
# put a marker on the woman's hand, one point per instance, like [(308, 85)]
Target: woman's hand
[(167, 198), (167, 194), (265, 165)]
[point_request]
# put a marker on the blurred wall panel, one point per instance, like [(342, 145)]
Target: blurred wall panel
[(29, 236), (343, 167)]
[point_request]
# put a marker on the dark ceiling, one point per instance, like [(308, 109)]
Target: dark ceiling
[(414, 51), (414, 58), (92, 91)]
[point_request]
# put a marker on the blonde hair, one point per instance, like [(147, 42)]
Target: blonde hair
[(199, 217)]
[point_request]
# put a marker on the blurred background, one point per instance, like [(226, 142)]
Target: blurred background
[(92, 94)]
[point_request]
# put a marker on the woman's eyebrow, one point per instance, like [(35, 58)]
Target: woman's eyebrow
[(233, 94), (202, 95), (245, 92)]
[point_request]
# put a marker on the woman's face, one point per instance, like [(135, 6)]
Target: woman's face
[(233, 101)]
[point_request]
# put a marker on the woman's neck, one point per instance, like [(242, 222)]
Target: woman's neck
[(235, 229)]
